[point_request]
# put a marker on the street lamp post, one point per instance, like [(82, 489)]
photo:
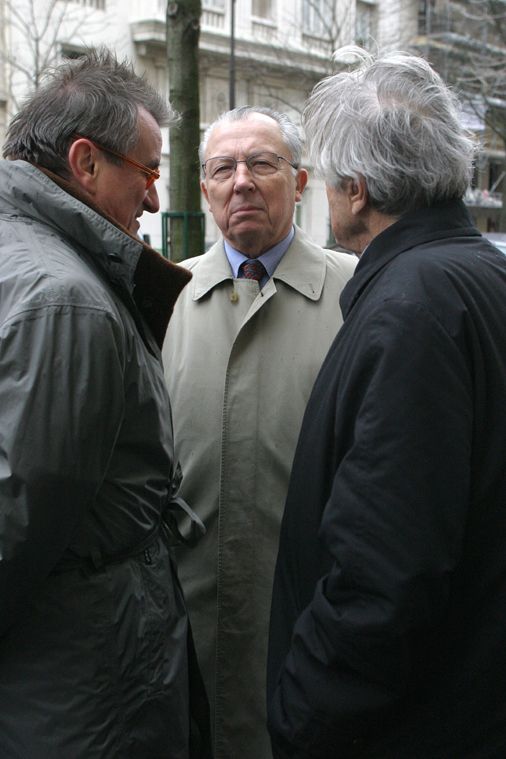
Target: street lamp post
[(231, 66)]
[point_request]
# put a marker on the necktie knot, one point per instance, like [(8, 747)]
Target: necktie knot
[(253, 269)]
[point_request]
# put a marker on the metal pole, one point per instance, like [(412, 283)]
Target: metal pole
[(231, 68)]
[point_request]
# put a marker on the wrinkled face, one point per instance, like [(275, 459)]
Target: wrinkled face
[(252, 212), (121, 189)]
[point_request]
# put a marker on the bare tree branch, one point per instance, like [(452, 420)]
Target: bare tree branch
[(39, 31), (467, 43)]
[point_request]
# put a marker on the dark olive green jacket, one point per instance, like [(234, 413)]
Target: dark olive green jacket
[(93, 627)]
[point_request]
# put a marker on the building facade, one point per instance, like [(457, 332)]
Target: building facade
[(466, 42), (281, 49)]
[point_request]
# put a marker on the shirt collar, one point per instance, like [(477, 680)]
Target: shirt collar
[(303, 268), (270, 258)]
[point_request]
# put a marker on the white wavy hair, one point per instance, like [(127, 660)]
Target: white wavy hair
[(393, 121)]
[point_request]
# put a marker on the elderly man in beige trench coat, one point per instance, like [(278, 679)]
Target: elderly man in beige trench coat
[(240, 358)]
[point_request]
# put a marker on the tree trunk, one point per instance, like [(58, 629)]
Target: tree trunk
[(183, 31)]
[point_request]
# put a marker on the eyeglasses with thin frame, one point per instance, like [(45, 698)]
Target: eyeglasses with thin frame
[(152, 174), (221, 168)]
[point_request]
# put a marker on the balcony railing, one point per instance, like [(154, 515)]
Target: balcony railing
[(263, 30), (213, 18)]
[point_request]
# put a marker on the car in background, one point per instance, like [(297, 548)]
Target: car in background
[(498, 239)]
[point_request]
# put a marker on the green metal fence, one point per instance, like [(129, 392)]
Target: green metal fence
[(184, 216)]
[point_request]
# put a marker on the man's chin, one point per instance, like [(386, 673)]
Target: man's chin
[(248, 239), (247, 226)]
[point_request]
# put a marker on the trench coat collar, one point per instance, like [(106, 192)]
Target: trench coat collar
[(413, 229), (302, 268)]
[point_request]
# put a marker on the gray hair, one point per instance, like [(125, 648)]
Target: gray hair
[(290, 133), (94, 95), (394, 122)]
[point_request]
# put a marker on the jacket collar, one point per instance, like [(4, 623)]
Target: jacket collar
[(416, 228), (303, 268), (144, 280)]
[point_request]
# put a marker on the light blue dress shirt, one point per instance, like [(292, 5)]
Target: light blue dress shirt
[(270, 258)]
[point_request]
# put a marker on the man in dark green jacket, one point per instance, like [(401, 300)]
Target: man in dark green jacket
[(94, 635), (387, 630)]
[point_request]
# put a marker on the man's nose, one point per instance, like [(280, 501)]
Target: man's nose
[(243, 178), (151, 200)]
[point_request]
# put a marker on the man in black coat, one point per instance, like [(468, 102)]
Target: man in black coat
[(388, 627)]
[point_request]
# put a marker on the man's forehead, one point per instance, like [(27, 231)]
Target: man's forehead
[(258, 130)]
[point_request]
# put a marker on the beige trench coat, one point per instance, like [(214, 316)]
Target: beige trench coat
[(240, 365)]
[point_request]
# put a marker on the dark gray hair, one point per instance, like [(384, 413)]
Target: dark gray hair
[(290, 133), (394, 122), (95, 95)]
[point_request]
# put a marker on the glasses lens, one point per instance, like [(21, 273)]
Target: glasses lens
[(260, 165), (263, 164), (220, 168)]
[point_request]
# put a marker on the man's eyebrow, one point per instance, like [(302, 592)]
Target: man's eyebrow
[(154, 164)]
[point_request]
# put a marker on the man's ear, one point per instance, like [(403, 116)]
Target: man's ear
[(300, 183), (205, 193), (358, 195), (83, 165)]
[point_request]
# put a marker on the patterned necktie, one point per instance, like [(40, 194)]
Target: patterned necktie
[(253, 269)]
